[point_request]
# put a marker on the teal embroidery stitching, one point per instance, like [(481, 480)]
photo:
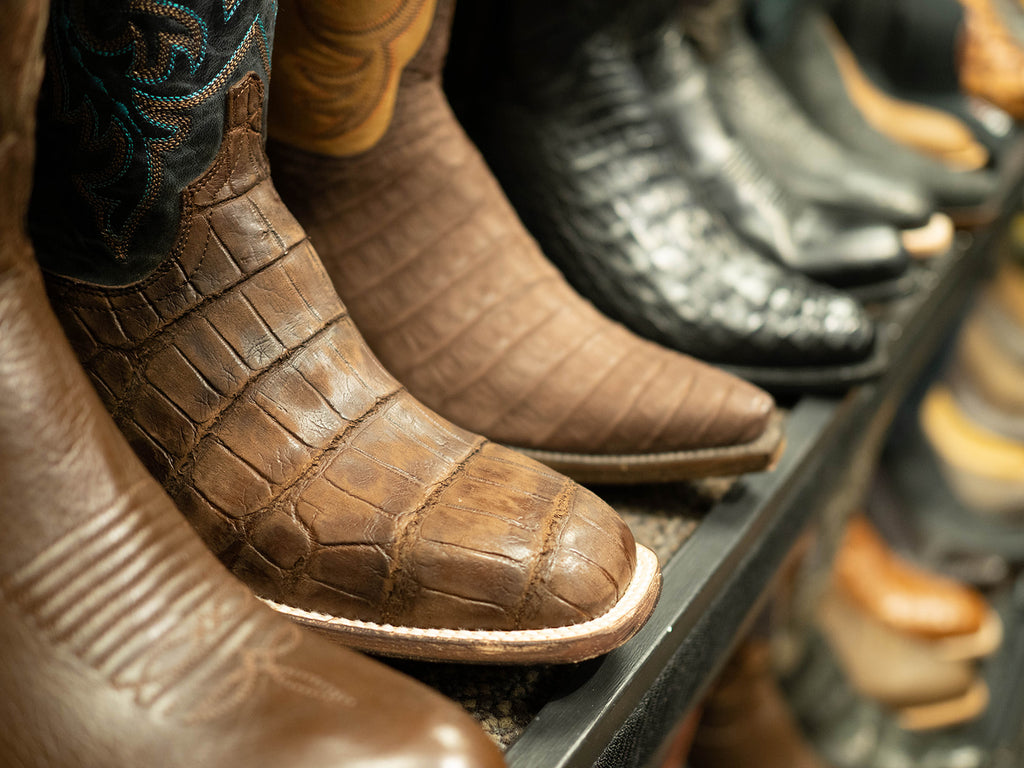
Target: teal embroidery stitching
[(153, 55)]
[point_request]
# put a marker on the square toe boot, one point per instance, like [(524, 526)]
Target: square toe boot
[(123, 642), (236, 373), (447, 286)]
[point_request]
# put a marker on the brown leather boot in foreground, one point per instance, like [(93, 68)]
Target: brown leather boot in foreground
[(450, 290), (215, 339), (123, 643)]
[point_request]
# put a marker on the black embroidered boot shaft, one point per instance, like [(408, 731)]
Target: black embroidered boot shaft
[(131, 112)]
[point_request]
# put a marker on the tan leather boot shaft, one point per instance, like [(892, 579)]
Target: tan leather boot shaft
[(991, 62), (337, 68)]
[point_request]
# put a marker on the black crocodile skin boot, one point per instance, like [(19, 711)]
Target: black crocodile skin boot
[(570, 128)]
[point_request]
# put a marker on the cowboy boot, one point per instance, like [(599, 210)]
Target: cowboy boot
[(809, 162), (955, 619), (839, 249), (808, 66), (452, 293), (125, 642), (214, 337), (570, 128)]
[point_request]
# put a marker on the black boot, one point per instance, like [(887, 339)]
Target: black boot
[(838, 249), (810, 72), (806, 161), (573, 135)]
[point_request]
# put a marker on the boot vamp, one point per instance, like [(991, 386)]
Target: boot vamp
[(596, 180)]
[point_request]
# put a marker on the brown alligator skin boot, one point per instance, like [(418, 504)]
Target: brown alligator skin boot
[(238, 376), (123, 642), (450, 290)]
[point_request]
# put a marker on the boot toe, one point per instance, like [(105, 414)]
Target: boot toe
[(723, 411), (585, 568), (857, 255)]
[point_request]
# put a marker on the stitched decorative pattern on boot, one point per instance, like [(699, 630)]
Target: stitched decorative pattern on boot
[(338, 68), (236, 373), (133, 109)]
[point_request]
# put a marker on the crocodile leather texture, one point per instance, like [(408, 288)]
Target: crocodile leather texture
[(747, 722), (337, 67), (237, 374), (462, 307), (595, 178), (125, 643), (809, 70), (801, 235), (807, 161)]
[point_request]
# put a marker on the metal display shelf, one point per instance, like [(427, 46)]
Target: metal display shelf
[(628, 704)]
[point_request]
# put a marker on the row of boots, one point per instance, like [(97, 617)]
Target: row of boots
[(205, 357), (885, 673)]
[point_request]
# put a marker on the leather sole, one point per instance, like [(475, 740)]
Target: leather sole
[(553, 645), (977, 645), (670, 466), (944, 714), (818, 379)]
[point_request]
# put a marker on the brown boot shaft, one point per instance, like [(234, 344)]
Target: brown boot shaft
[(337, 72), (456, 299)]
